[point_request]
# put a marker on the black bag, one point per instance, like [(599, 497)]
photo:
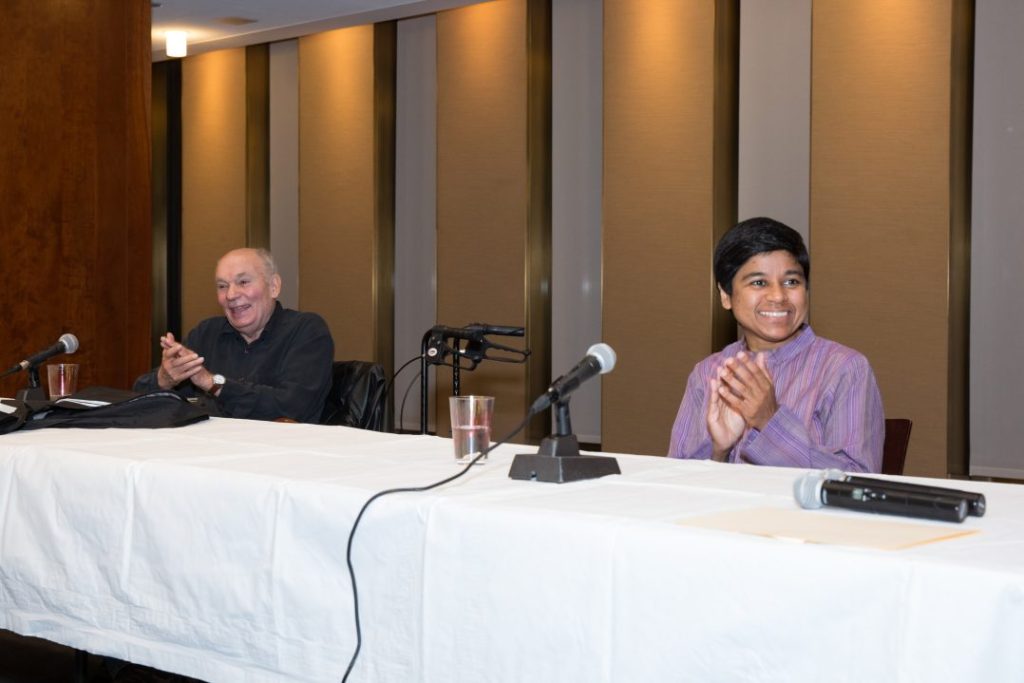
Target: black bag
[(10, 421), (126, 409)]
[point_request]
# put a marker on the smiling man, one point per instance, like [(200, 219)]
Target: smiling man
[(780, 395), (260, 360)]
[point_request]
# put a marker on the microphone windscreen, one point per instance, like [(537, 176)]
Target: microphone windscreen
[(605, 356), (70, 342), (807, 490)]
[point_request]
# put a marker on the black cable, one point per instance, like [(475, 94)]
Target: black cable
[(387, 387), (409, 489), (405, 396)]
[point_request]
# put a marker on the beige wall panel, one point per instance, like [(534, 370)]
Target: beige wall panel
[(336, 189), (482, 190), (880, 202), (213, 174), (658, 212)]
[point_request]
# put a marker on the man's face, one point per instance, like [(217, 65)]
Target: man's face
[(244, 292), (769, 299)]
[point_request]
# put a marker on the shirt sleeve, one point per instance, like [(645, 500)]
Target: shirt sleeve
[(146, 383), (301, 382), (690, 438), (849, 418)]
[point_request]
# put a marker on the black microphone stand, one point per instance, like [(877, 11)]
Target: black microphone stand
[(34, 392), (558, 459)]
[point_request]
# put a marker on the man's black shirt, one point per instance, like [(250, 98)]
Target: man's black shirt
[(284, 373)]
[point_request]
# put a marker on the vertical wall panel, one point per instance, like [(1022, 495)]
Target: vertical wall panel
[(166, 209), (345, 255), (75, 185), (775, 111), (284, 166), (213, 109), (415, 204), (667, 68), (257, 146), (489, 214), (884, 213), (997, 243), (576, 155)]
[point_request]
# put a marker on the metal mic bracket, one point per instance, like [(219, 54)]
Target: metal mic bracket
[(441, 343)]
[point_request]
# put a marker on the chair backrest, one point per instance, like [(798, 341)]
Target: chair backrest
[(894, 449), (357, 396)]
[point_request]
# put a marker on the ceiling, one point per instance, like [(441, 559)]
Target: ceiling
[(218, 24)]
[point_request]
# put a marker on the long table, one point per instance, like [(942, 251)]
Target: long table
[(218, 551)]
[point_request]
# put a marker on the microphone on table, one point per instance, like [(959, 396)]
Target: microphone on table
[(975, 501), (68, 343), (830, 488), (558, 459), (600, 359)]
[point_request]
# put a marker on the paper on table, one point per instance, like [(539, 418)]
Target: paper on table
[(810, 526)]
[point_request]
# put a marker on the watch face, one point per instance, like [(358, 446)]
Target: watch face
[(219, 379)]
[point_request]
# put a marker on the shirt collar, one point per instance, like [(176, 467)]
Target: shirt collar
[(791, 349)]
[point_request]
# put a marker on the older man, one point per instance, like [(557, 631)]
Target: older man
[(260, 360)]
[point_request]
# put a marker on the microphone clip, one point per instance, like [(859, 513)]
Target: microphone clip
[(444, 345)]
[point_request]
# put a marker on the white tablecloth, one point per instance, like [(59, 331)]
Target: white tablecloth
[(218, 551)]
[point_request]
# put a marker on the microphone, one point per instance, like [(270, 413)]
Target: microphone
[(68, 343), (600, 359), (817, 489), (975, 501)]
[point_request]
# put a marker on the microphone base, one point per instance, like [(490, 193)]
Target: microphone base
[(31, 394), (559, 461)]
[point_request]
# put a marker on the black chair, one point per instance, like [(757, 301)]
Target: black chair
[(894, 448), (357, 397)]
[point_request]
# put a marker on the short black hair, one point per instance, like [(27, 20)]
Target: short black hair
[(752, 237)]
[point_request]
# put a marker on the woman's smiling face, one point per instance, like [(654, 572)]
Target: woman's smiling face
[(769, 299)]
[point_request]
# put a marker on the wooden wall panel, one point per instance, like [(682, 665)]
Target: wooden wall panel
[(214, 174), (346, 213), (492, 212), (669, 189), (75, 184), (884, 215)]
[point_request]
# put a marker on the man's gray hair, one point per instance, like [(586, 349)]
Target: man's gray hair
[(269, 265)]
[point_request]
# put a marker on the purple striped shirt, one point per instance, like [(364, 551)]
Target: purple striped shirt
[(830, 410)]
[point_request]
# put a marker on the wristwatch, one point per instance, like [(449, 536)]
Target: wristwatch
[(218, 384)]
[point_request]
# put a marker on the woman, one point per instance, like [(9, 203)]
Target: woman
[(780, 395)]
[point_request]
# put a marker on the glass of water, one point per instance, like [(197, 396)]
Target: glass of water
[(471, 425)]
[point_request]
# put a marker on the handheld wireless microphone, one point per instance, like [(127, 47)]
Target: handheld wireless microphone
[(818, 489), (975, 501)]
